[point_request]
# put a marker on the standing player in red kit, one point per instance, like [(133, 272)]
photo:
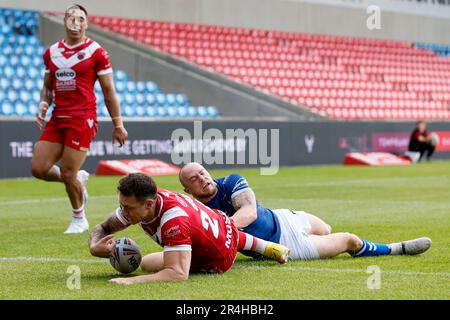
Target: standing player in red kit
[(72, 66), (195, 238)]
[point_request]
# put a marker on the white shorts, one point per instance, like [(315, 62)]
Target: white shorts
[(295, 228)]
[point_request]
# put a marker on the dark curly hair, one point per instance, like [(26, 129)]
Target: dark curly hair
[(139, 185)]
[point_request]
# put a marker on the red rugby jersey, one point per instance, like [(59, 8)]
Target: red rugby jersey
[(74, 70), (185, 224)]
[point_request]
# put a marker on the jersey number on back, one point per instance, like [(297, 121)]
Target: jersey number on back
[(208, 222)]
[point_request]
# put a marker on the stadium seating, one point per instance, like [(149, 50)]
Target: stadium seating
[(21, 78), (338, 77)]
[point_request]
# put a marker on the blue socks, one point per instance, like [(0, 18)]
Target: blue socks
[(372, 249)]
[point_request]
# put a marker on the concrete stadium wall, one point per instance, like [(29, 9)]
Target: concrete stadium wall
[(300, 143), (173, 75), (287, 15)]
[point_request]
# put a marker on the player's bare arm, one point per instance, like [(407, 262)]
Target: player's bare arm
[(120, 134), (245, 206), (101, 242), (176, 267), (46, 100)]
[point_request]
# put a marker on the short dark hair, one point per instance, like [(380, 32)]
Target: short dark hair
[(78, 6), (139, 185)]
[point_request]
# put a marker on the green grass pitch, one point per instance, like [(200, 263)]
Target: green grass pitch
[(380, 204)]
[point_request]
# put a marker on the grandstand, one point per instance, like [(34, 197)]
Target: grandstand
[(338, 77), (21, 71), (328, 87)]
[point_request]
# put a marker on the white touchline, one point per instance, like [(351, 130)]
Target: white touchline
[(285, 268)]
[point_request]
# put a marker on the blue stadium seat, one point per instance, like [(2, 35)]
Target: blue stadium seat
[(172, 112), (21, 40), (130, 99), (171, 99), (12, 96), (8, 72), (140, 87), (20, 109), (38, 62), (140, 99), (150, 111), (151, 100), (3, 60), (182, 111), (35, 73), (202, 112), (21, 72), (7, 108), (33, 41), (212, 112), (25, 96), (129, 110), (192, 111), (36, 97), (39, 83), (6, 29), (161, 112), (120, 75), (161, 99), (13, 60), (17, 84), (25, 61), (4, 84), (131, 86), (151, 87), (182, 100), (140, 111), (120, 86), (7, 50), (32, 109)]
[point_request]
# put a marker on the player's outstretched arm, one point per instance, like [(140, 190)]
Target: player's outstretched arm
[(245, 205), (101, 242), (120, 134), (176, 267)]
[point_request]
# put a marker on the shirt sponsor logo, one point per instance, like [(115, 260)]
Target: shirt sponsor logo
[(65, 74)]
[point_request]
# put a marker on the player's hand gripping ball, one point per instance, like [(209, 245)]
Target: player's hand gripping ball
[(127, 256)]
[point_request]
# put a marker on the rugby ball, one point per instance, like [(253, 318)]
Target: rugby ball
[(434, 139), (127, 256)]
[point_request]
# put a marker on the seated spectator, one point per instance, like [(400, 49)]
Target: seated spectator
[(421, 142)]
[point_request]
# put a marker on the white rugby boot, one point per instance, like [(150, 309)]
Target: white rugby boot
[(78, 225)]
